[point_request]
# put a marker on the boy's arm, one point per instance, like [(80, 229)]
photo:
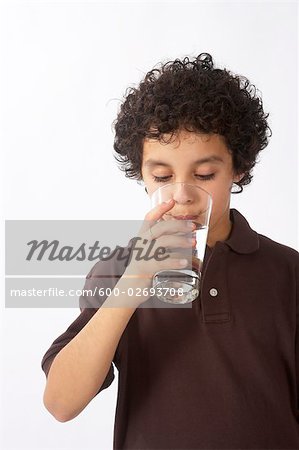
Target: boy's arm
[(84, 363), (78, 365), (88, 307), (66, 337)]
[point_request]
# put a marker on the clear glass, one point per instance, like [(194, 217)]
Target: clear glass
[(191, 203)]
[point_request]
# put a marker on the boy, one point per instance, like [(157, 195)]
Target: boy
[(223, 374)]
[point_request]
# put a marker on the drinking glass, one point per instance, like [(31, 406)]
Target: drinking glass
[(191, 203)]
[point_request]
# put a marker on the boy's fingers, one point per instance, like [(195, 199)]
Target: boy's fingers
[(157, 212)]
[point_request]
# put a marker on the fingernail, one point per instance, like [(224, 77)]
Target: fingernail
[(168, 201), (189, 224), (183, 262)]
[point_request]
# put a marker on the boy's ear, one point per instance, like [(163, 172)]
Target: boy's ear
[(239, 177)]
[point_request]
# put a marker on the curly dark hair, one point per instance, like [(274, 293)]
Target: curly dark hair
[(193, 96)]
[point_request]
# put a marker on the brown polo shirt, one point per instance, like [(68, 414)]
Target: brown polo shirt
[(223, 374)]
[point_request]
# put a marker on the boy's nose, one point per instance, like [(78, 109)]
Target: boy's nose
[(184, 194)]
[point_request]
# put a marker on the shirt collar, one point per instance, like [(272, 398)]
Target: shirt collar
[(242, 238)]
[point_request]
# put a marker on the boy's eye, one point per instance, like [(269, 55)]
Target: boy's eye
[(201, 177)]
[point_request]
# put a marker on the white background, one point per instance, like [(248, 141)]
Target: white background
[(64, 69)]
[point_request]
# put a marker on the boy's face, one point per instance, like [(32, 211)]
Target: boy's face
[(177, 164)]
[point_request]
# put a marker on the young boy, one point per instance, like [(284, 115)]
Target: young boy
[(224, 373)]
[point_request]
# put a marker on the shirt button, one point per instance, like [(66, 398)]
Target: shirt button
[(213, 292)]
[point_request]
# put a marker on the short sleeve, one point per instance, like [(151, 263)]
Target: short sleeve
[(65, 338), (102, 278), (297, 337)]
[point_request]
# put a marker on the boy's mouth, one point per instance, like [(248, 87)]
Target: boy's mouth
[(186, 217)]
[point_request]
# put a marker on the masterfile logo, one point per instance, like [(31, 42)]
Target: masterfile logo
[(50, 263)]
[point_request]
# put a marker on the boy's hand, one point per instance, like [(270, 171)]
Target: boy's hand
[(166, 234)]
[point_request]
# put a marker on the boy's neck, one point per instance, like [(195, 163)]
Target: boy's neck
[(221, 233)]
